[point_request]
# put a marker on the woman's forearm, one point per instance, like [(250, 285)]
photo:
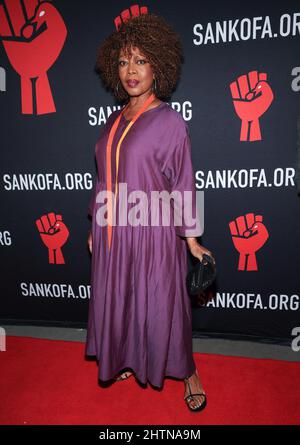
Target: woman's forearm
[(191, 241)]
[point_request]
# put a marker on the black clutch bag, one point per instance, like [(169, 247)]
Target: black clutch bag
[(201, 276)]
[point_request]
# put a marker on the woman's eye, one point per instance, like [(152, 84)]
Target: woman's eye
[(123, 62)]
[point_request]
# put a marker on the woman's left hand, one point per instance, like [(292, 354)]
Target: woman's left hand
[(197, 250)]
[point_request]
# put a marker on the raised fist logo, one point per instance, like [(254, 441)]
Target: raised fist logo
[(249, 234), (54, 234), (252, 96), (133, 11), (33, 34)]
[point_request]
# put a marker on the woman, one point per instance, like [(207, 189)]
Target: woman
[(140, 312)]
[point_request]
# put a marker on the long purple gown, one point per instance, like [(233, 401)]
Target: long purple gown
[(140, 312)]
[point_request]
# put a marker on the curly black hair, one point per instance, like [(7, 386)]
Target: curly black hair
[(156, 40)]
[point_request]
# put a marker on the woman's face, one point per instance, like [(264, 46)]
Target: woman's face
[(135, 67)]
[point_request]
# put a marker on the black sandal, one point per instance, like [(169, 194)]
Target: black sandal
[(190, 397)]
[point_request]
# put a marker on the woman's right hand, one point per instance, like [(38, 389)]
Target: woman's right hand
[(90, 241)]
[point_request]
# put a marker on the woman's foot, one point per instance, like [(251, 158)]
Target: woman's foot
[(125, 375), (194, 394)]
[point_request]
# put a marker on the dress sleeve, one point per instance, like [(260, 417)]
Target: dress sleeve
[(180, 173), (94, 191), (93, 197)]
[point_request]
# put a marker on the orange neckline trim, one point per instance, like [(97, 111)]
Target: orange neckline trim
[(110, 203)]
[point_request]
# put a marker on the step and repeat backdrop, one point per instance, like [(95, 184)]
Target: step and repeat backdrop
[(240, 96)]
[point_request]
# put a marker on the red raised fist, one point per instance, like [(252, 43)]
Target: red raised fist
[(54, 234), (249, 234), (252, 96), (126, 14), (33, 34)]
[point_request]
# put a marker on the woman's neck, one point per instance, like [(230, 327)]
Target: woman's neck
[(137, 102)]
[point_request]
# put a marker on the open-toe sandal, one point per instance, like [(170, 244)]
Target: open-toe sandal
[(124, 376), (190, 397)]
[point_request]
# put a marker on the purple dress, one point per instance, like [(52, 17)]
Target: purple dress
[(140, 312)]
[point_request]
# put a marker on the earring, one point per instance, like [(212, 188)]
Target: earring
[(117, 87), (154, 85)]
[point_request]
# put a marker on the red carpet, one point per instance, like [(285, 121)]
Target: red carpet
[(50, 382)]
